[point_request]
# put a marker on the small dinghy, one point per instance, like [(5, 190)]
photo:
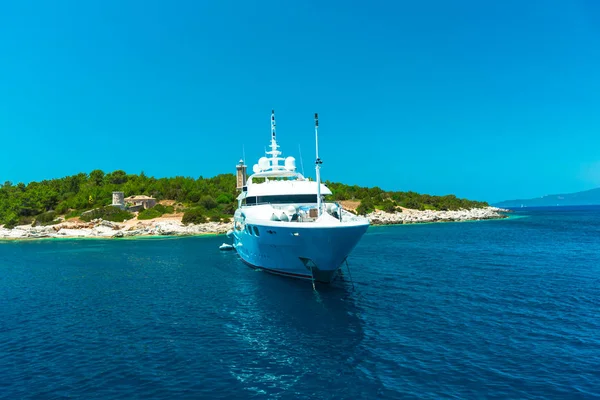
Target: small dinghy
[(225, 247)]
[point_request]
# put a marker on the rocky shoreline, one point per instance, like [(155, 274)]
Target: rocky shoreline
[(408, 216), (106, 229)]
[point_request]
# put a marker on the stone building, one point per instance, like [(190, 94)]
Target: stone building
[(140, 202)]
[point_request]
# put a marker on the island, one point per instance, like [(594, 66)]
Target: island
[(95, 205)]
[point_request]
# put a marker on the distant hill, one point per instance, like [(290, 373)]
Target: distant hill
[(588, 197)]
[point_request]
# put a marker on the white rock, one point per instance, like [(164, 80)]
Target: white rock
[(379, 217)]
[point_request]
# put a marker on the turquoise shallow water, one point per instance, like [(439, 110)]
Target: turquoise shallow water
[(494, 309)]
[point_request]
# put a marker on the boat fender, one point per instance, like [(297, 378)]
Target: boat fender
[(283, 217)]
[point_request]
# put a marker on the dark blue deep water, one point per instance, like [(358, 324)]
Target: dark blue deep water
[(495, 309)]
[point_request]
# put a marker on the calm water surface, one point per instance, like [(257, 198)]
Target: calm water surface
[(496, 309)]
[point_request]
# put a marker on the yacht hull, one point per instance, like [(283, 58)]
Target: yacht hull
[(298, 250)]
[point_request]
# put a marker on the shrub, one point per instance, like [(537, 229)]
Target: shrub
[(412, 204), (193, 216), (224, 198), (72, 214), (365, 207), (25, 220), (150, 213), (62, 208), (45, 218), (388, 206), (194, 196), (208, 202), (108, 213), (228, 209), (11, 220), (164, 209)]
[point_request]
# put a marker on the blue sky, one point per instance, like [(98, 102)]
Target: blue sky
[(487, 100)]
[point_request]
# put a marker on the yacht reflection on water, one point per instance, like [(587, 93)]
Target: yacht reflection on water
[(277, 322)]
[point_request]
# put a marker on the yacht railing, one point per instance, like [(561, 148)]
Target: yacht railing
[(303, 211), (280, 204)]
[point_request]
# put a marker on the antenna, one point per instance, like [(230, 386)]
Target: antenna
[(318, 163), (273, 125), (301, 162), (274, 153), (244, 154)]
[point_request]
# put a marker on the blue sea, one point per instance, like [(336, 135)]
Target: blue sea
[(494, 309)]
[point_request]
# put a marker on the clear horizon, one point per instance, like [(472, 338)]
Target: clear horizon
[(486, 101)]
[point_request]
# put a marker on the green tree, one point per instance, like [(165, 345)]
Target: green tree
[(388, 206), (365, 206), (224, 198), (193, 216), (97, 177), (117, 177), (208, 202)]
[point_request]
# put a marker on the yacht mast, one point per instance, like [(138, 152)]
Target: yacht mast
[(272, 129), (274, 152), (318, 163)]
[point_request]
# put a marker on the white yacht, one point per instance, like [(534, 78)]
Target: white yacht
[(284, 225)]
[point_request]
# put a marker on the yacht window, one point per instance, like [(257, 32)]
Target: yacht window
[(256, 231), (283, 199)]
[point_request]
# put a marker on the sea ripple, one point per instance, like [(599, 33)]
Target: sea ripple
[(493, 309)]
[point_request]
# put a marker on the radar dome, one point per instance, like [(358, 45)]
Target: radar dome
[(290, 163), (256, 169), (263, 163)]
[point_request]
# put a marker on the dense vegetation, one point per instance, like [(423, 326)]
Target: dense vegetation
[(193, 216), (204, 198), (108, 213), (71, 195), (157, 211), (376, 198)]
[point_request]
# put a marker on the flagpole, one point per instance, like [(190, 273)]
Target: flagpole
[(318, 163)]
